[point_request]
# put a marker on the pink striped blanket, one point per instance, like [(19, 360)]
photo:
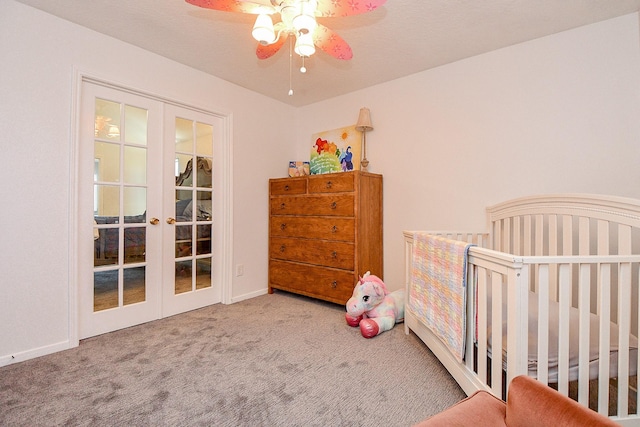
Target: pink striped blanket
[(437, 293)]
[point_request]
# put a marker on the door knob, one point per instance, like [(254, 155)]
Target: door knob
[(171, 220), (154, 221)]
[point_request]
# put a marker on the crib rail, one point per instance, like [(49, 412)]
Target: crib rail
[(561, 288)]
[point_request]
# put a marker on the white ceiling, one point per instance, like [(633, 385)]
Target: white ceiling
[(402, 37)]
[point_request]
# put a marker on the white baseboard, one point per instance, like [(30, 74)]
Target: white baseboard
[(33, 353), (248, 296)]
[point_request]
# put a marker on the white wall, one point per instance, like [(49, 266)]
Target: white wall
[(557, 114), (39, 53)]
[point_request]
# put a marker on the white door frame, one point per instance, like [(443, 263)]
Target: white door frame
[(225, 154)]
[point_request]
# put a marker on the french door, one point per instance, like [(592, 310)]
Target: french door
[(148, 187)]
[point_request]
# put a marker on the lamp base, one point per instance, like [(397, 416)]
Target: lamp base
[(364, 164)]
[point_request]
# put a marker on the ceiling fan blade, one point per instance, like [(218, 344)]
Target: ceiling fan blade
[(331, 43), (264, 52), (234, 6), (329, 8)]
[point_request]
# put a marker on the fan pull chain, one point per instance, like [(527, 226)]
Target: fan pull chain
[(303, 69), (290, 64)]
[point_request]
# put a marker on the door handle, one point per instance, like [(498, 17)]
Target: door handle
[(154, 221), (171, 220)]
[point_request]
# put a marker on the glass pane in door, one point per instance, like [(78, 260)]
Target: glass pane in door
[(194, 213), (120, 204)]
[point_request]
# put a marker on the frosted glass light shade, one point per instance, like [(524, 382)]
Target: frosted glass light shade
[(304, 45), (305, 22), (263, 30)]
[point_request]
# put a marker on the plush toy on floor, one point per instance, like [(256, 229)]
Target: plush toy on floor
[(373, 307)]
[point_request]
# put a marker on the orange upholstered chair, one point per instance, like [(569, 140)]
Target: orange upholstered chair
[(529, 404)]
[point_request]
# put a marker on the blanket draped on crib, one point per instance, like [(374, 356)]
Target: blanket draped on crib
[(437, 293)]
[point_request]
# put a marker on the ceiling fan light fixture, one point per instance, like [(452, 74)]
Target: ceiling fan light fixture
[(304, 45), (263, 30), (305, 22)]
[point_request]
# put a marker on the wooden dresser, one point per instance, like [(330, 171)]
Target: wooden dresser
[(324, 232)]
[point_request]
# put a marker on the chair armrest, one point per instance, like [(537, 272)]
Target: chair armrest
[(531, 403)]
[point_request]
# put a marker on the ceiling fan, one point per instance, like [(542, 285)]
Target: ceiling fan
[(296, 18)]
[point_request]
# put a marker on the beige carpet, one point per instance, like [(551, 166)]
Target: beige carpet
[(275, 360)]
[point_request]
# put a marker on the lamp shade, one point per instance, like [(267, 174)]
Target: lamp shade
[(304, 45), (305, 22), (263, 30), (364, 120)]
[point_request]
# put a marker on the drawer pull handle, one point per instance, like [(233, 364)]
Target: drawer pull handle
[(283, 226), (286, 188), (334, 205), (282, 205), (334, 254), (334, 229), (329, 184), (282, 248), (334, 284)]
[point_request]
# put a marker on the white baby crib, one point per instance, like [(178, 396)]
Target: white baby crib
[(554, 285)]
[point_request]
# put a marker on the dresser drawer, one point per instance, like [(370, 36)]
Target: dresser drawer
[(327, 228), (288, 186), (331, 183), (319, 282), (330, 204), (317, 252)]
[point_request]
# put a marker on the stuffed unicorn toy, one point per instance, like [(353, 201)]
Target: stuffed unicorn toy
[(373, 307)]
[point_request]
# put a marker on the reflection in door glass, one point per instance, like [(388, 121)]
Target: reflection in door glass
[(184, 240), (135, 165), (107, 120), (135, 125), (194, 197), (134, 244), (107, 202), (203, 274), (120, 204), (135, 204), (107, 162), (106, 246), (204, 239), (184, 135), (204, 141), (183, 281), (105, 290), (133, 285)]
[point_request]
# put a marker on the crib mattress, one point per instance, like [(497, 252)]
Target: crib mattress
[(594, 341)]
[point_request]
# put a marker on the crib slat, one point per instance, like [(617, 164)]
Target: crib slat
[(602, 249), (583, 333), (604, 308), (471, 324), (527, 235), (553, 250), (543, 323), (506, 235), (624, 292), (567, 235), (564, 298), (567, 241), (624, 240), (538, 247), (482, 324), (584, 238), (624, 314), (496, 244), (496, 333), (517, 321), (517, 235)]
